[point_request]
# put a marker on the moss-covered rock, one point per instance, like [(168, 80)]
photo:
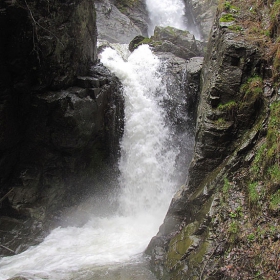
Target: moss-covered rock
[(170, 40)]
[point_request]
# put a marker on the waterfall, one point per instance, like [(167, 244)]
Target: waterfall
[(170, 13), (166, 13), (147, 166)]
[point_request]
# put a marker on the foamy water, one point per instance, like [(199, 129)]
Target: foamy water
[(166, 13), (147, 165)]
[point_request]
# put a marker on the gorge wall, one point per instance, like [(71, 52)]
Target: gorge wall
[(224, 223), (61, 115)]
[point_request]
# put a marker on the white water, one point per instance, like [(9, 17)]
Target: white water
[(146, 165), (166, 13)]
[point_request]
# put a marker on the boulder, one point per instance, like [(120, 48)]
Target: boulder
[(170, 40)]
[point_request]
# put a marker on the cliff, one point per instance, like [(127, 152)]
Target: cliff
[(61, 115), (224, 223)]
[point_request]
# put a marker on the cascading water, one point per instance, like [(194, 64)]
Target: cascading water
[(169, 13), (166, 13), (147, 165)]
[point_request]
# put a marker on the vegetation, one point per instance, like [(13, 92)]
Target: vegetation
[(250, 205), (227, 18), (125, 5), (252, 89)]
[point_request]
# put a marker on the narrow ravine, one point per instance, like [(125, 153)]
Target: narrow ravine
[(110, 245), (147, 165)]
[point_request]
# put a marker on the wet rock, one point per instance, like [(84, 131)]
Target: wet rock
[(235, 61), (18, 278), (202, 14), (114, 26), (193, 71), (136, 11), (180, 43), (170, 40), (135, 42)]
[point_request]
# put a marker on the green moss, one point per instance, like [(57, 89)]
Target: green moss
[(273, 133), (252, 89), (251, 237), (275, 201), (148, 41), (124, 5), (253, 192), (235, 27), (227, 18), (233, 227), (274, 14), (229, 109), (274, 173), (231, 105), (258, 160), (197, 258), (226, 186), (230, 8), (180, 244)]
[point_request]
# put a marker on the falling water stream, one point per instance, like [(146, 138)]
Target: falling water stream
[(166, 13), (111, 247)]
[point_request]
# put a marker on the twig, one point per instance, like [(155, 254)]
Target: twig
[(6, 194), (8, 249)]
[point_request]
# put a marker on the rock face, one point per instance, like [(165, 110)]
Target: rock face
[(180, 76), (136, 11), (61, 115), (201, 15), (113, 25), (179, 42), (203, 222)]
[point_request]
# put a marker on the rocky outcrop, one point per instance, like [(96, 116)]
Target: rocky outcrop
[(61, 116), (212, 214), (182, 79), (136, 11), (113, 25), (170, 40), (201, 15)]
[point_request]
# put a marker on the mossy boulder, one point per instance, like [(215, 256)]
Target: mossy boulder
[(170, 40)]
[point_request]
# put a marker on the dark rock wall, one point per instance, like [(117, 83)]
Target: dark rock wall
[(61, 113), (229, 63), (211, 217)]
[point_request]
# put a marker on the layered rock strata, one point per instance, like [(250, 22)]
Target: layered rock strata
[(211, 218)]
